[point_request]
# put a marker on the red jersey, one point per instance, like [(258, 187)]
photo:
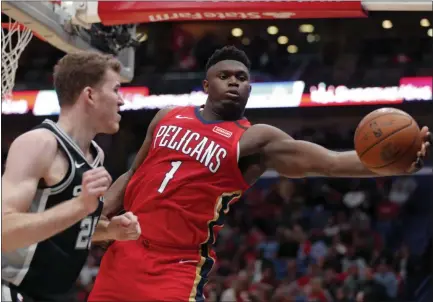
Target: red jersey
[(183, 189)]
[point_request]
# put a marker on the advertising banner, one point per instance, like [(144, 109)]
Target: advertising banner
[(410, 89), (117, 12), (263, 96)]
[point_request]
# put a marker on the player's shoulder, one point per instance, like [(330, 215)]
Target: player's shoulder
[(171, 112), (258, 135), (162, 113), (263, 131), (37, 141), (33, 150)]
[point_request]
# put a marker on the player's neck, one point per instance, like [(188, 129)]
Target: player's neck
[(210, 115), (77, 129)]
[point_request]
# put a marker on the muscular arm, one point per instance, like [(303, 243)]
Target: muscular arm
[(23, 171), (114, 197), (296, 158)]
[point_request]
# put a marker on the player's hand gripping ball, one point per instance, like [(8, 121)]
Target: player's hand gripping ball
[(124, 227), (388, 141)]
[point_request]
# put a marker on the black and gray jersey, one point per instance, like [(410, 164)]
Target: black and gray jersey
[(52, 266)]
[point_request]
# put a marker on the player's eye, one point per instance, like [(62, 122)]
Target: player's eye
[(242, 78), (223, 76)]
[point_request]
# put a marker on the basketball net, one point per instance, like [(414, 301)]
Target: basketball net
[(14, 38)]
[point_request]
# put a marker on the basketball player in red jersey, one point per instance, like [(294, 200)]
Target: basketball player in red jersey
[(193, 164)]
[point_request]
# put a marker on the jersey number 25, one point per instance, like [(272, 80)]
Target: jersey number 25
[(84, 238)]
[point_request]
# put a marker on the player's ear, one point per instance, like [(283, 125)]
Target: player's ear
[(205, 85), (88, 94)]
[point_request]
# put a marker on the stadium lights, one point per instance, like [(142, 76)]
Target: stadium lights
[(237, 32), (272, 30), (311, 38), (292, 49), (306, 28), (424, 22), (142, 38), (430, 32), (282, 40), (246, 41), (387, 24)]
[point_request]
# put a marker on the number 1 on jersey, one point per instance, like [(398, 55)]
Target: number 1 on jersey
[(168, 176)]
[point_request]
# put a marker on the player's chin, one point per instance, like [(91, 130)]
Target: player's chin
[(112, 128)]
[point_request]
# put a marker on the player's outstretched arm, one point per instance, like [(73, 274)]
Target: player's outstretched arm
[(23, 171), (113, 199), (296, 158)]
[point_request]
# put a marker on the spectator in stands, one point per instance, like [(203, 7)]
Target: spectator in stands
[(386, 277), (238, 292), (353, 280), (370, 289)]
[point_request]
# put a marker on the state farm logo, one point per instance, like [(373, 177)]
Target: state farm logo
[(222, 132), (282, 15), (219, 16)]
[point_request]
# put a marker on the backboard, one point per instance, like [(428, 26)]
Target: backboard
[(55, 23)]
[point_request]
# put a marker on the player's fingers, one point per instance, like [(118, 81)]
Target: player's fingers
[(101, 174), (423, 151), (419, 163), (88, 178), (121, 220), (101, 181), (97, 191), (427, 146), (94, 171), (130, 216), (133, 236)]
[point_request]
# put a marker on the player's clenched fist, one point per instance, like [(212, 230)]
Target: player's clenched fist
[(94, 184), (124, 227)]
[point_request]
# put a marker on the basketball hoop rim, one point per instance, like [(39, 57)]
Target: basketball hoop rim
[(20, 27)]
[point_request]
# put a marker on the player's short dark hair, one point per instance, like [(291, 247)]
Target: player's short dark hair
[(75, 71), (228, 53)]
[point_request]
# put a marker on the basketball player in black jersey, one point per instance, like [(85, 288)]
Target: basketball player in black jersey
[(54, 183)]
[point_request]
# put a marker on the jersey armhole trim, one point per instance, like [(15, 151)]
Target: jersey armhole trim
[(67, 179)]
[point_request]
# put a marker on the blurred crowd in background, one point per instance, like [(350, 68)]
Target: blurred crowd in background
[(312, 240)]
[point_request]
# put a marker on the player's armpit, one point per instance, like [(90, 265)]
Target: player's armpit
[(23, 171), (113, 198), (296, 159)]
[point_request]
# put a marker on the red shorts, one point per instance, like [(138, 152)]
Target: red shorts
[(140, 271)]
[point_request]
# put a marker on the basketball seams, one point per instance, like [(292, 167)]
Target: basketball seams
[(399, 157), (358, 129), (385, 137)]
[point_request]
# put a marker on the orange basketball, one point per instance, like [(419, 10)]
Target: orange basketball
[(387, 141)]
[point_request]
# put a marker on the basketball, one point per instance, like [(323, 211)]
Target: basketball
[(387, 141)]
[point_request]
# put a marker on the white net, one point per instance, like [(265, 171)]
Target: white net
[(15, 38)]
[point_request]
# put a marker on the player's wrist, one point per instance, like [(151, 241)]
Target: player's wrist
[(84, 206)]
